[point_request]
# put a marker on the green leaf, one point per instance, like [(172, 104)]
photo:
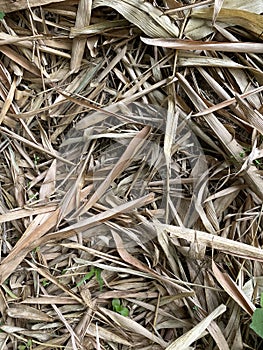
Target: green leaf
[(116, 303), (2, 15), (117, 307), (261, 300), (87, 277), (98, 277), (21, 347), (124, 311), (257, 322)]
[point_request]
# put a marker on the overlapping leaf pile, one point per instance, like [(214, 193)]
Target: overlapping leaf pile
[(131, 178)]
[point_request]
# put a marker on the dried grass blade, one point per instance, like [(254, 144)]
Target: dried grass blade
[(179, 44)]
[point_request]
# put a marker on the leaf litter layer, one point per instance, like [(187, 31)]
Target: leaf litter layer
[(131, 178)]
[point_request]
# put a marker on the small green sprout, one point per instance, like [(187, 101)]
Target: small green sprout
[(2, 15), (95, 271), (45, 282), (36, 159), (118, 307), (27, 346)]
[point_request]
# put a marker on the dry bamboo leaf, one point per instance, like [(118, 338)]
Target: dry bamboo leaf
[(217, 7), (28, 42), (33, 145), (128, 258), (97, 28), (192, 60), (112, 64), (218, 336), (127, 157), (246, 19), (183, 342), (198, 28), (123, 70), (9, 99), (228, 102), (78, 44), (225, 192), (103, 113), (28, 313), (148, 18), (233, 290), (226, 245), (254, 118), (40, 336), (252, 285), (95, 220), (17, 214), (107, 335), (48, 186), (179, 44), (10, 6), (130, 325), (170, 129), (234, 150), (20, 60), (54, 280), (47, 300), (41, 224)]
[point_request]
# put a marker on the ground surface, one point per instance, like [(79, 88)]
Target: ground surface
[(131, 174)]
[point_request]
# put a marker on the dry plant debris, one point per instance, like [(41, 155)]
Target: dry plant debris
[(131, 174)]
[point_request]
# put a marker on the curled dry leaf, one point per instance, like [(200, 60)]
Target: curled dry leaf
[(144, 15)]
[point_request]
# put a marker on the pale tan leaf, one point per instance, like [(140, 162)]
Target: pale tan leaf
[(140, 13), (28, 313), (233, 290), (130, 325), (188, 338), (217, 7), (179, 44), (226, 245)]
